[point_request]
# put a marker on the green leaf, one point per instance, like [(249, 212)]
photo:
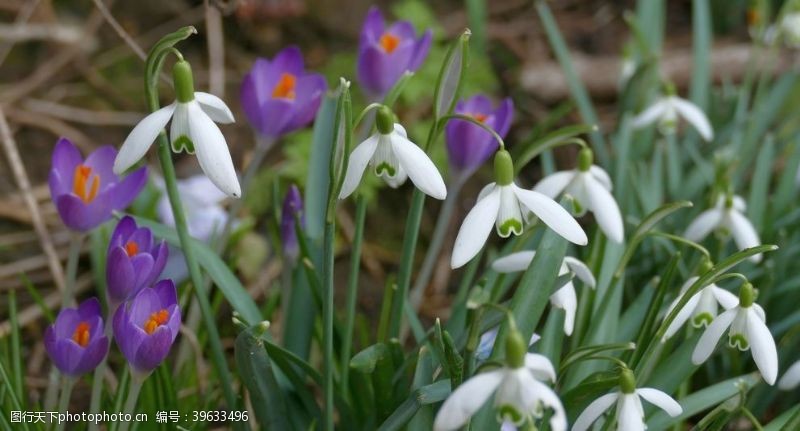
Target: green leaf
[(529, 150), (425, 395), (228, 284), (316, 192), (255, 370)]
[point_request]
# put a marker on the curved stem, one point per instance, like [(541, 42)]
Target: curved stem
[(63, 401), (437, 240)]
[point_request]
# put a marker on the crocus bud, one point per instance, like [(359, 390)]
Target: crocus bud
[(86, 192), (279, 96), (146, 326), (469, 146), (75, 342), (135, 260), (292, 210), (384, 54)]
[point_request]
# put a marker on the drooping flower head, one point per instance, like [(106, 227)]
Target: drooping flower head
[(86, 192), (501, 205), (590, 186), (666, 110), (75, 342), (279, 96), (135, 260), (394, 158), (192, 130), (519, 394), (385, 53), (748, 331), (468, 145), (292, 210), (146, 326), (728, 216), (790, 379), (629, 411)]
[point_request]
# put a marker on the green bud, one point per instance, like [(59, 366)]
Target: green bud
[(516, 348), (747, 295), (669, 89), (627, 382), (503, 168), (705, 266), (585, 159), (384, 120), (729, 201), (183, 81)]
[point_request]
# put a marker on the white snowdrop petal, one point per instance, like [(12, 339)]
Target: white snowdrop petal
[(180, 125), (357, 164), (661, 400), (553, 184), (475, 229), (552, 214), (629, 413), (419, 167), (605, 210), (566, 299), (601, 175), (214, 107), (694, 116), (540, 367), (466, 400), (706, 222), (682, 316), (651, 114), (790, 379), (486, 190), (765, 354), (581, 271), (141, 138), (212, 152), (743, 233), (708, 341), (514, 262), (594, 410), (726, 299)]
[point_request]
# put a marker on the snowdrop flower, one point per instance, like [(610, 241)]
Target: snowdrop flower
[(790, 29), (630, 414), (727, 215), (791, 379), (565, 297), (748, 330), (501, 204), (590, 185), (666, 110), (193, 115), (702, 307), (393, 158), (519, 393), (486, 343)]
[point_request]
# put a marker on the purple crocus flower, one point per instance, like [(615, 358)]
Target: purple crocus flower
[(468, 145), (279, 96), (146, 326), (292, 208), (134, 260), (384, 54), (85, 192), (75, 342)]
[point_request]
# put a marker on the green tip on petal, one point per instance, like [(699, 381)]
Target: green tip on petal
[(503, 168), (747, 295), (627, 382), (183, 81), (384, 120), (738, 341), (585, 159), (507, 412), (516, 348)]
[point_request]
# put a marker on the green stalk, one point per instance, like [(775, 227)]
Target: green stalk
[(352, 290), (133, 395), (97, 380), (75, 242), (327, 319), (63, 401), (155, 61)]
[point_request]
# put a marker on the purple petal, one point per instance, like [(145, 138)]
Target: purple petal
[(255, 90), (96, 327), (142, 267), (122, 232), (503, 117), (421, 49), (66, 158), (379, 71), (153, 349), (373, 26), (101, 161), (145, 303), (119, 275), (310, 89), (124, 192), (276, 115), (57, 185), (174, 322), (477, 104), (81, 216), (403, 30), (143, 239), (288, 60), (166, 292), (93, 354), (67, 356), (127, 335), (160, 255), (89, 309), (66, 322)]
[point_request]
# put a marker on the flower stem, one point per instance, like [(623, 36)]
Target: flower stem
[(327, 319), (133, 395), (97, 380), (352, 289), (437, 240), (68, 296), (63, 401)]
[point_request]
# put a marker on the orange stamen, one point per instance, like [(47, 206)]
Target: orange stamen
[(480, 117), (155, 320), (284, 89), (81, 334), (389, 42), (131, 248), (80, 178)]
